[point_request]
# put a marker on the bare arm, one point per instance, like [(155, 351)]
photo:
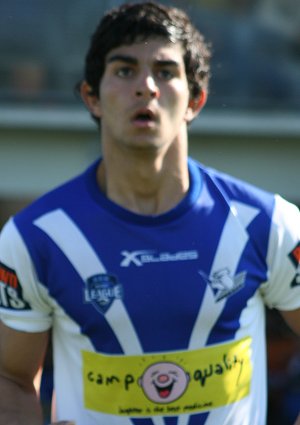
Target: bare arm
[(21, 355)]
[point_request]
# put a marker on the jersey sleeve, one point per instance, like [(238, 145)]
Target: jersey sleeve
[(282, 290), (24, 302)]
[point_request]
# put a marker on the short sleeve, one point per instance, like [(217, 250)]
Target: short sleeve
[(24, 301), (282, 290)]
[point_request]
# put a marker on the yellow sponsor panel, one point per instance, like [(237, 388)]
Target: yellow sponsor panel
[(167, 383)]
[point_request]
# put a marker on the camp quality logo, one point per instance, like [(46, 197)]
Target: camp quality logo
[(140, 258), (102, 290), (169, 383), (294, 256), (223, 283)]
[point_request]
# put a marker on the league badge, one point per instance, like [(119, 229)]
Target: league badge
[(102, 290)]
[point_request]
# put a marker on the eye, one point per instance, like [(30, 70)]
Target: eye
[(124, 71), (165, 74)]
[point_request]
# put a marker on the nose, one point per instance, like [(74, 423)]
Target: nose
[(162, 378), (147, 87)]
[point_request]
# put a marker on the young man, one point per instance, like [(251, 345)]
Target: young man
[(152, 271)]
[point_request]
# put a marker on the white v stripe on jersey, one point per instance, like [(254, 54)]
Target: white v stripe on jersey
[(210, 311), (232, 242), (68, 237)]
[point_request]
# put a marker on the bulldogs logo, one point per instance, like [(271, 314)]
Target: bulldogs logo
[(223, 283)]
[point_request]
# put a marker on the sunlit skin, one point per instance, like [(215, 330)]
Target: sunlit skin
[(145, 107), (148, 75)]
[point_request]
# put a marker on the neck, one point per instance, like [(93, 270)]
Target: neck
[(145, 183)]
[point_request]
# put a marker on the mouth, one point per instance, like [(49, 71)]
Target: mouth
[(144, 118), (165, 391)]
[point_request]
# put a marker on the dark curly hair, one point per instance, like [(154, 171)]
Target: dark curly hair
[(134, 22)]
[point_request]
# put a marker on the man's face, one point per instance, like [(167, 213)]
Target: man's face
[(144, 95)]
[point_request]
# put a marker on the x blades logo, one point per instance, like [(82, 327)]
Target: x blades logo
[(102, 290), (143, 257), (294, 256)]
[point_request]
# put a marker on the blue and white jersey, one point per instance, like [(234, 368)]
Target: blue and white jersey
[(157, 320)]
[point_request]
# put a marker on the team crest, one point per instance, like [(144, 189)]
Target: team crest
[(102, 290), (223, 284), (294, 256)]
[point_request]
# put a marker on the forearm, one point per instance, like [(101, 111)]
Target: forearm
[(18, 406)]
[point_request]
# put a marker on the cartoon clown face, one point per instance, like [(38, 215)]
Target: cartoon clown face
[(164, 382)]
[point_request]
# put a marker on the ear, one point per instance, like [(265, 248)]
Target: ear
[(91, 100), (195, 106)]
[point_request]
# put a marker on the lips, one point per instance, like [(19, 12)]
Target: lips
[(144, 115)]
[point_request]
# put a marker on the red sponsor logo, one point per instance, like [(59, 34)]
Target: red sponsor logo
[(296, 254), (8, 276), (11, 295)]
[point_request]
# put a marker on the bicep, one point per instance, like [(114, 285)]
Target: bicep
[(292, 318), (21, 354)]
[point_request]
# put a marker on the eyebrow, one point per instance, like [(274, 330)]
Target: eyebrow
[(122, 58), (134, 61)]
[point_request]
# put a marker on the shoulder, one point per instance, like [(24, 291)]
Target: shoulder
[(239, 190), (22, 230), (235, 190), (275, 216)]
